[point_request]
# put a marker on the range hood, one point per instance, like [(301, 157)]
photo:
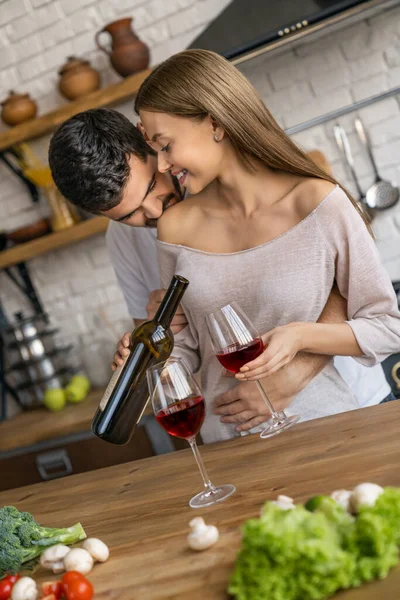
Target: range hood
[(247, 28)]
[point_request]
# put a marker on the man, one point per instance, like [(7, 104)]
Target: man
[(101, 163)]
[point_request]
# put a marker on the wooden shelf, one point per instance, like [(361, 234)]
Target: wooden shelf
[(105, 97), (52, 241)]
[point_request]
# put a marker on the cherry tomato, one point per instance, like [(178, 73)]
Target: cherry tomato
[(53, 587), (79, 589), (49, 597), (6, 586), (71, 576)]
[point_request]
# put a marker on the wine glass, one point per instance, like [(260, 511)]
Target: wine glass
[(236, 342), (180, 408)]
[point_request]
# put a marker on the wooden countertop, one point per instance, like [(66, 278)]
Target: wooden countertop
[(39, 425), (141, 511)]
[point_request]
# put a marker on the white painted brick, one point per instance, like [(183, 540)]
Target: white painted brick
[(10, 10), (88, 19), (353, 40), (40, 87), (161, 9), (291, 98), (258, 77), (39, 3), (172, 46), (394, 77), (321, 105), (185, 20), (8, 56), (380, 111), (50, 101), (55, 57), (128, 8), (71, 6), (377, 83), (56, 33), (330, 79), (384, 226), (392, 54), (107, 10), (28, 47), (285, 70), (155, 34), (322, 62), (9, 79), (385, 131), (84, 43), (368, 66), (114, 294), (100, 256), (3, 38), (32, 67), (388, 154), (20, 202), (34, 21)]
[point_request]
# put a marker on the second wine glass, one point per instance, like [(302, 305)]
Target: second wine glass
[(180, 408), (236, 342)]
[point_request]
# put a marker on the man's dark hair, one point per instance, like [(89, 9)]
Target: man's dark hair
[(89, 156)]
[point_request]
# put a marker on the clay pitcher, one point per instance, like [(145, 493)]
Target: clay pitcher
[(128, 55)]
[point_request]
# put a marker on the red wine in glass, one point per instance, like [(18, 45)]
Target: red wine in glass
[(233, 357), (184, 418), (236, 342)]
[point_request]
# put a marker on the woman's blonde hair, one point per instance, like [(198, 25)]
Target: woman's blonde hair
[(197, 83)]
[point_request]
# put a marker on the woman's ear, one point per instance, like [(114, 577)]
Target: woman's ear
[(217, 130), (139, 125)]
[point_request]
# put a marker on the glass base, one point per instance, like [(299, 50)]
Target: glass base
[(275, 426), (209, 497)]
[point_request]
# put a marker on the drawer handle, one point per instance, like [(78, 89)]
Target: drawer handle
[(54, 464), (395, 376)]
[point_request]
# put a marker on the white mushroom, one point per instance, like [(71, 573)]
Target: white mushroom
[(78, 560), (343, 497), (202, 536), (284, 502), (365, 494), (58, 567), (24, 589), (54, 555), (97, 549)]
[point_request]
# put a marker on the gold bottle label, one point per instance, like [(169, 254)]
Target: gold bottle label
[(111, 384)]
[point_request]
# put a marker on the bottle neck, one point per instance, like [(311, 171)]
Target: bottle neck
[(171, 300)]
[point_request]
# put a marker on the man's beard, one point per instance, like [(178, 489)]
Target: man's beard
[(178, 196)]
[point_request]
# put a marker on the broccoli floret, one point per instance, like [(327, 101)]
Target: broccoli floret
[(23, 539)]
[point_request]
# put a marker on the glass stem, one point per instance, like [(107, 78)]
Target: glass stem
[(206, 480), (268, 402)]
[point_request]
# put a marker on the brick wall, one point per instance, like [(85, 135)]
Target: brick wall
[(310, 79)]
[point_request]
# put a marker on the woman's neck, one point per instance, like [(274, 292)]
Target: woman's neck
[(248, 188)]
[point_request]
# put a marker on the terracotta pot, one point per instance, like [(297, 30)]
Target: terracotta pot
[(129, 55), (18, 108), (78, 78)]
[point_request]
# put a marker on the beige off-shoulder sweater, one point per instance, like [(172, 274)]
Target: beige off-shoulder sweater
[(289, 279)]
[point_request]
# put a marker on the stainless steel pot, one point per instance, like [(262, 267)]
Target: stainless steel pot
[(25, 328), (26, 372), (34, 348), (32, 395)]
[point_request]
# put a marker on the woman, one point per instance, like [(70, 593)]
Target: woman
[(264, 226)]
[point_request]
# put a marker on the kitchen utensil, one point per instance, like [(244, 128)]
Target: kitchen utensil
[(26, 372), (382, 194), (29, 232), (31, 395), (78, 78), (128, 54), (33, 348), (342, 142), (18, 108), (179, 408)]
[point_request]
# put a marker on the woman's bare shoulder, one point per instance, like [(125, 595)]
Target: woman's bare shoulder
[(310, 193), (176, 224)]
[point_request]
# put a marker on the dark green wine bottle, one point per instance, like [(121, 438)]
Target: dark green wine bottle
[(126, 395)]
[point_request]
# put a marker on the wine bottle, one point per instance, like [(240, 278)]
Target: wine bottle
[(126, 395)]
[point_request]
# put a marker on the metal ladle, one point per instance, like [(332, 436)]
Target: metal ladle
[(343, 144), (382, 194)]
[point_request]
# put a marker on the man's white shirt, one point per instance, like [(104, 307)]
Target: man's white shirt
[(133, 254)]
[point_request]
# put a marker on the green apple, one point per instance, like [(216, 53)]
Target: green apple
[(77, 390), (55, 399)]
